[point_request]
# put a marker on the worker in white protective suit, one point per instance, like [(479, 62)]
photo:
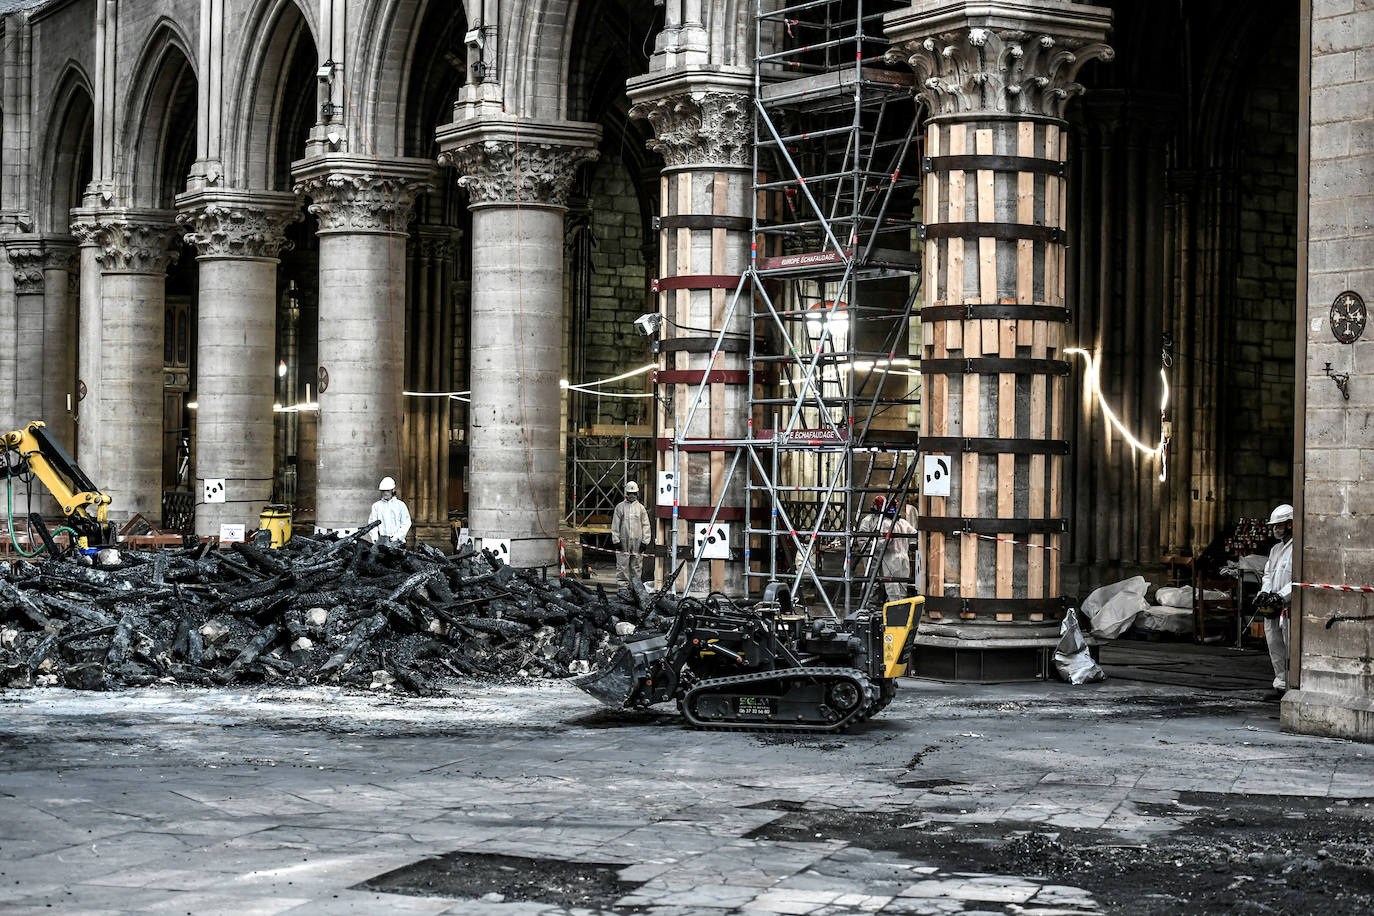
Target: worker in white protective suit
[(1275, 596), (393, 515), (892, 548), (630, 532)]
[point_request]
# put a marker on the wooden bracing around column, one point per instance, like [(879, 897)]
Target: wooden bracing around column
[(993, 327)]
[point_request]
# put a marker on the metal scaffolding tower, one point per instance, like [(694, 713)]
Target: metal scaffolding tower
[(831, 289)]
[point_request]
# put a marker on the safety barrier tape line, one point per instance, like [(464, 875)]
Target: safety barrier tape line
[(1337, 588), (989, 537)]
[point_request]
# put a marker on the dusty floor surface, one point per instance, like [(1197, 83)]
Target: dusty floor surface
[(1167, 789)]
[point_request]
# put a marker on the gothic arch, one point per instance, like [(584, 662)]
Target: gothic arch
[(68, 149), (162, 95), (279, 39)]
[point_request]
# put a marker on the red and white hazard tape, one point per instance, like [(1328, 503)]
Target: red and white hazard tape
[(1366, 589), (624, 553)]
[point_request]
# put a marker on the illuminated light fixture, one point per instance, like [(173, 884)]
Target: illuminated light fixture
[(281, 369), (828, 314), (1159, 451), (192, 405), (451, 395)]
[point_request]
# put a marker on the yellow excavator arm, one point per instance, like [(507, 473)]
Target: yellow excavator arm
[(83, 503)]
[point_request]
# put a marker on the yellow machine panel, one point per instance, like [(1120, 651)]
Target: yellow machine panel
[(899, 623)]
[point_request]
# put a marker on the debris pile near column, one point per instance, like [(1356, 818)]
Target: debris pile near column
[(322, 610)]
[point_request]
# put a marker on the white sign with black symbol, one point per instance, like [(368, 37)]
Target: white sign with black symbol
[(499, 547), (231, 534), (713, 541), (667, 488), (937, 476), (214, 490)]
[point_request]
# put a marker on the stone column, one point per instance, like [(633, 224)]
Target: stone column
[(238, 236), (125, 256), (363, 207), (703, 124), (518, 179), (25, 255), (995, 79), (59, 339)]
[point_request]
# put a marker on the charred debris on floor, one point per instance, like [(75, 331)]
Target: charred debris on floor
[(321, 610)]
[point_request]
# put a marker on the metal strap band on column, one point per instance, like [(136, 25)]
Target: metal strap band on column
[(702, 513), (991, 365), (972, 311), (702, 345), (947, 605), (737, 223), (955, 525), (973, 163), (990, 446), (697, 376), (1004, 231), (698, 281)]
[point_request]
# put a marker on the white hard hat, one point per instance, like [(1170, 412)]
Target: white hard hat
[(632, 487), (1283, 513), (387, 484)]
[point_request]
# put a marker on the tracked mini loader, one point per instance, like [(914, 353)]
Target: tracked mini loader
[(764, 668)]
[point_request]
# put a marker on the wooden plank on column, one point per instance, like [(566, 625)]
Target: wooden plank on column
[(987, 213), (954, 285), (930, 204), (968, 488), (938, 505), (1039, 408), (1025, 214), (1006, 463), (1053, 250)]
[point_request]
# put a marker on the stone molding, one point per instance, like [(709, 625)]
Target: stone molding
[(26, 257), (433, 243), (136, 242), (60, 255), (503, 162), (983, 59), (349, 195), (700, 119), (249, 226)]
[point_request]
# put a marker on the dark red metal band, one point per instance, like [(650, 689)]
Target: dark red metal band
[(666, 445), (700, 281)]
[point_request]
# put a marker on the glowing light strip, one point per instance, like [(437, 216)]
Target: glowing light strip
[(456, 395), (1093, 385)]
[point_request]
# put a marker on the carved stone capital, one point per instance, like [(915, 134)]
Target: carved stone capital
[(238, 225), (129, 241), (60, 255), (434, 243), (696, 128), (26, 256), (502, 162), (981, 58), (361, 195)]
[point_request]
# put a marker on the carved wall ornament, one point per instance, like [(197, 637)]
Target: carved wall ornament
[(541, 173), (985, 71), (345, 202), (704, 128), (234, 230), (59, 257), (129, 246), (26, 262)]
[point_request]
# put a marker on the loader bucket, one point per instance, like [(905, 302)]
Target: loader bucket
[(620, 685), (614, 684)]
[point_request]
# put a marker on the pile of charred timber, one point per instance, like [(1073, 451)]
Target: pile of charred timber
[(321, 610)]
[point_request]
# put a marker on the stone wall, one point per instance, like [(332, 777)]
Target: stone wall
[(1336, 537), (618, 295), (1257, 383)]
